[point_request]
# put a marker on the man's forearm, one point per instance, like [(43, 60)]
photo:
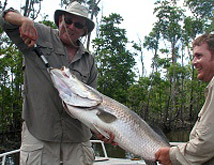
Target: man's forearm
[(28, 32), (16, 18)]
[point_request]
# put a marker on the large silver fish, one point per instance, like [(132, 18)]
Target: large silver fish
[(101, 113)]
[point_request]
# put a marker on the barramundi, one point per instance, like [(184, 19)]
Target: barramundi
[(103, 114)]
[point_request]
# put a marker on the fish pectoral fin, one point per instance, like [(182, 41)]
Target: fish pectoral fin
[(101, 131), (106, 116)]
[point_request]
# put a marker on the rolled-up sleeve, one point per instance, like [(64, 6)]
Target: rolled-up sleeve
[(4, 24), (12, 30)]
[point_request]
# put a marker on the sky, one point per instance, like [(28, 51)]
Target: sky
[(137, 14)]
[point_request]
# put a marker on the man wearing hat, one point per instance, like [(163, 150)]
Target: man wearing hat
[(49, 135)]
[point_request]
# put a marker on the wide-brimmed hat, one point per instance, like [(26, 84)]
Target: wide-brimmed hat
[(75, 8)]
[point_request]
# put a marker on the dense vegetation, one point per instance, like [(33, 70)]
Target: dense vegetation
[(170, 96)]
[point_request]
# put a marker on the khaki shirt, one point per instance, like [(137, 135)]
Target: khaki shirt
[(42, 107), (200, 148)]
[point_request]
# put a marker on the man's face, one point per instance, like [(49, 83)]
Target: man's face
[(75, 28), (203, 62)]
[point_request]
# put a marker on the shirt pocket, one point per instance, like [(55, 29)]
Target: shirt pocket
[(205, 138), (202, 130), (46, 49), (54, 54)]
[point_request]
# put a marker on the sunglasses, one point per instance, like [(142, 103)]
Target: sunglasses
[(69, 21)]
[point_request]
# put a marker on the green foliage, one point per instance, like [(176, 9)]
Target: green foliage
[(152, 40), (202, 11), (169, 16), (192, 27), (201, 8), (114, 62), (137, 94), (1, 31), (47, 22), (11, 81)]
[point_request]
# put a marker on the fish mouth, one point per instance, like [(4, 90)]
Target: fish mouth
[(59, 73), (64, 72), (57, 76)]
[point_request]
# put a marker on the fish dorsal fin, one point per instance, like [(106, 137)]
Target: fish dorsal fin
[(106, 116)]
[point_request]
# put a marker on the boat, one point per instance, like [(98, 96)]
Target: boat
[(6, 158)]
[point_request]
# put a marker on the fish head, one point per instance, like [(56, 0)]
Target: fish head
[(72, 91), (62, 75)]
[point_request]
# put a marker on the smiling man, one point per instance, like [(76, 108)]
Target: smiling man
[(199, 150), (204, 61), (49, 135)]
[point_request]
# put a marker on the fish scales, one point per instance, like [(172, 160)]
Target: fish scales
[(139, 132), (101, 113)]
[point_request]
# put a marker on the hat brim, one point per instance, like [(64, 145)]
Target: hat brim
[(90, 24)]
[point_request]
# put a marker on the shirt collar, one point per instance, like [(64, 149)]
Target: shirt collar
[(81, 51), (211, 83)]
